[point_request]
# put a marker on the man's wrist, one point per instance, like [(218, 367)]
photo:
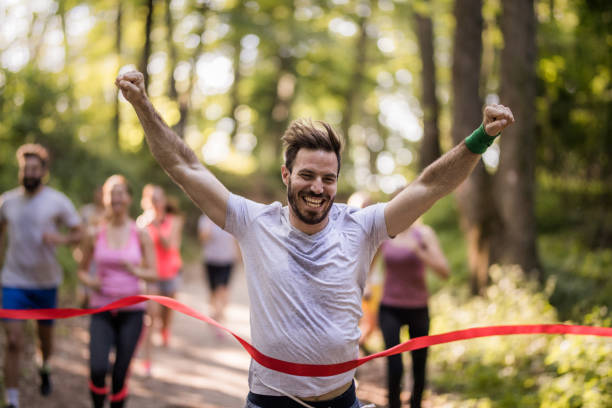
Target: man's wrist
[(479, 141)]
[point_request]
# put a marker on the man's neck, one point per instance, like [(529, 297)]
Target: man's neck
[(309, 229), (32, 193)]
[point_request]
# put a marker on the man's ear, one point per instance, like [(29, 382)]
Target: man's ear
[(285, 174)]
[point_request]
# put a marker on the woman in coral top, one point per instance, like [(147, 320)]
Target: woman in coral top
[(123, 256), (165, 225)]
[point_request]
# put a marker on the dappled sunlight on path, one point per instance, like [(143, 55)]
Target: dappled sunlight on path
[(200, 367)]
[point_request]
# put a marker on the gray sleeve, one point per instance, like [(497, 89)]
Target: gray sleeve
[(372, 220), (240, 213), (379, 227), (68, 214)]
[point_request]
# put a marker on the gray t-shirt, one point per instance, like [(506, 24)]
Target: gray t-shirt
[(305, 290), (220, 249), (29, 263)]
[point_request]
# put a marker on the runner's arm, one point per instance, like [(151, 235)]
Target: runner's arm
[(147, 270), (441, 177), (87, 249), (173, 154), (173, 240), (431, 253)]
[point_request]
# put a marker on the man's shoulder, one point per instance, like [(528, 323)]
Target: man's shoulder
[(340, 209), (11, 194), (257, 209), (55, 194)]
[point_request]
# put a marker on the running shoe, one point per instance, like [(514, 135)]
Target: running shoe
[(45, 382)]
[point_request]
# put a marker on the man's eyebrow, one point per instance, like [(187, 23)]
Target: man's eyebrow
[(309, 171)]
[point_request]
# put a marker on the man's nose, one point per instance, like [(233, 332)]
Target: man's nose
[(317, 186)]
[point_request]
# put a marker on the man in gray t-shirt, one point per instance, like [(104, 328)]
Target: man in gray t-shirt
[(306, 262), (31, 215)]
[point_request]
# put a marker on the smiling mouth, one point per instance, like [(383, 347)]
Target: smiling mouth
[(313, 202)]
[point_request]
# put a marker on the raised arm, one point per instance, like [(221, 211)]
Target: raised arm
[(171, 152), (442, 176)]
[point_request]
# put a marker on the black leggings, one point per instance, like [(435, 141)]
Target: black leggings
[(120, 330), (391, 319)]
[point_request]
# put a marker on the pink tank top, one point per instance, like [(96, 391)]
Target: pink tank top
[(168, 259), (405, 284), (116, 281)]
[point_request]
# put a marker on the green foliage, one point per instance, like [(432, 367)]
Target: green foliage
[(574, 222), (582, 375), (582, 275), (511, 371), (575, 91)]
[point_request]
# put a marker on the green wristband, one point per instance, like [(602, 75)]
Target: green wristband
[(479, 141)]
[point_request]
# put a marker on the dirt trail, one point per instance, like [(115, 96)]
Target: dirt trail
[(201, 368)]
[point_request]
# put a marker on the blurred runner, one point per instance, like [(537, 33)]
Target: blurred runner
[(165, 225), (124, 255), (220, 253), (31, 214), (404, 302)]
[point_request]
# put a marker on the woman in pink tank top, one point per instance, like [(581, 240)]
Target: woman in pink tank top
[(123, 256), (404, 301)]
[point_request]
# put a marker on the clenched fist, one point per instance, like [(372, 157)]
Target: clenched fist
[(132, 86), (496, 118)]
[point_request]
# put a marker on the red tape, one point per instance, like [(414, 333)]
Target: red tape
[(315, 370)]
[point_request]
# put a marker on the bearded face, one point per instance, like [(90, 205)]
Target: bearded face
[(31, 173), (311, 188), (310, 208), (31, 183)]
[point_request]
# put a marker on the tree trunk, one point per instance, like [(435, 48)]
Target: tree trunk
[(184, 98), (146, 51), (283, 98), (172, 54), (237, 47), (352, 92), (515, 177), (430, 146), (479, 219), (118, 35)]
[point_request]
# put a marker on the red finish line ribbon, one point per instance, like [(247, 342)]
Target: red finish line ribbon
[(316, 370)]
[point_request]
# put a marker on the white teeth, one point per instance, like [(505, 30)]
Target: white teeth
[(311, 202)]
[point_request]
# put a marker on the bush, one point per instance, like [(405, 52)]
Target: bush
[(521, 370)]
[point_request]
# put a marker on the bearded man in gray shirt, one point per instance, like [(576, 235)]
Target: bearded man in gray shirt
[(31, 215), (306, 263)]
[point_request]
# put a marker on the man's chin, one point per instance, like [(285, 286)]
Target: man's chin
[(311, 217)]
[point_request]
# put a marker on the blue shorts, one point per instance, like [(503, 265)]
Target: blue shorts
[(23, 299)]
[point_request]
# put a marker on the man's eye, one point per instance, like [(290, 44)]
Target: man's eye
[(306, 176)]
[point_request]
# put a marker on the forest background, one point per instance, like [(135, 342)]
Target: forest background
[(403, 81)]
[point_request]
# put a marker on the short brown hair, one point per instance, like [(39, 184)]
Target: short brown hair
[(302, 133), (32, 150)]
